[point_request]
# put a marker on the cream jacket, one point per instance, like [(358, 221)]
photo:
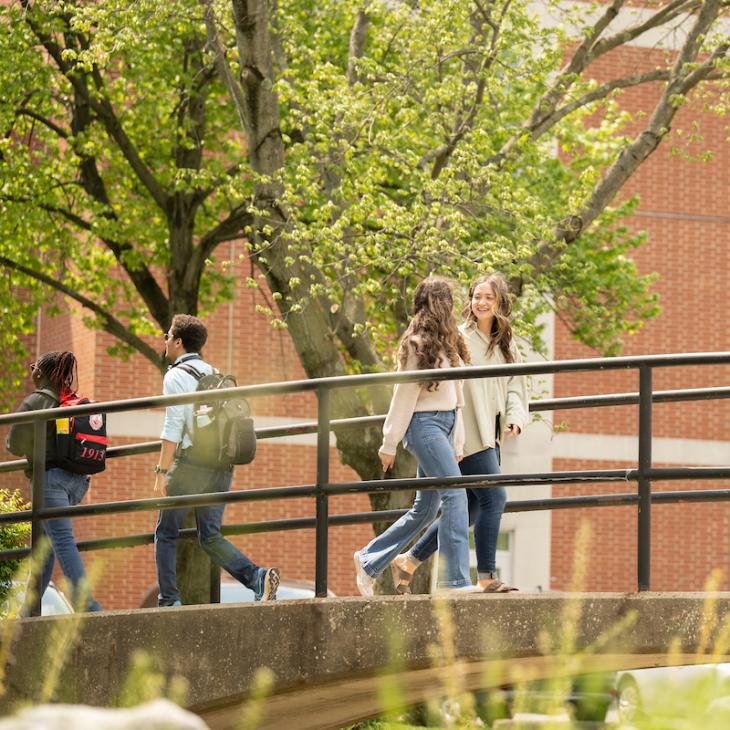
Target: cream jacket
[(487, 398), (411, 397)]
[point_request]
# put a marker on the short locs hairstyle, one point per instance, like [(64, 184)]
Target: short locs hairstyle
[(190, 330), (60, 369)]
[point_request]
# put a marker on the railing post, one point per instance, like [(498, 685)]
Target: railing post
[(36, 524), (323, 477), (644, 538)]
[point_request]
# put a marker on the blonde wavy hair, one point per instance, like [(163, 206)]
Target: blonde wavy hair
[(433, 332), (501, 332)]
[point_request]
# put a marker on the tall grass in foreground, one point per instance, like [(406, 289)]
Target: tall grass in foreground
[(547, 686), (566, 690)]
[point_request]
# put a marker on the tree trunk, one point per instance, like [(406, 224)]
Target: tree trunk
[(195, 569)]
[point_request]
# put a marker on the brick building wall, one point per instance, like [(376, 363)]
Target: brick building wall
[(240, 341), (685, 209)]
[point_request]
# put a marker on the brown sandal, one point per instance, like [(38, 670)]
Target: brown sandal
[(496, 586), (401, 578)]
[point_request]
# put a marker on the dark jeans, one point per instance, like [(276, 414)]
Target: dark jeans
[(61, 488), (187, 478), (486, 506)]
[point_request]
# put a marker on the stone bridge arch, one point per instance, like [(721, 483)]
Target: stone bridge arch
[(328, 657)]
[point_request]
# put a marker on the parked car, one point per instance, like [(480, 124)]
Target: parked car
[(664, 691), (587, 698), (234, 592), (289, 589), (53, 603)]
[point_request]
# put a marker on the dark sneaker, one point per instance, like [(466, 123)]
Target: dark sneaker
[(267, 583)]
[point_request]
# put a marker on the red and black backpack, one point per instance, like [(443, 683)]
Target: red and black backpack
[(81, 441)]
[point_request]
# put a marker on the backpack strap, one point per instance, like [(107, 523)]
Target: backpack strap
[(190, 370)]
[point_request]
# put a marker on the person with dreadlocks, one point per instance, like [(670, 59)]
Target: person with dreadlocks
[(54, 375), (427, 418)]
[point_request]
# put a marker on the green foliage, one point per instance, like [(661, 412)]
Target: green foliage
[(11, 536), (121, 154)]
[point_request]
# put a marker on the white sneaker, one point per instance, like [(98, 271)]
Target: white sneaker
[(365, 583)]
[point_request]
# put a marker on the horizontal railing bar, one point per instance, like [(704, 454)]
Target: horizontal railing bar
[(628, 399), (484, 480), (550, 404), (376, 485), (299, 523), (156, 503), (342, 381), (658, 474), (245, 528)]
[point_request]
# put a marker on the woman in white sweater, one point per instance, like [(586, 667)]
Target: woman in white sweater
[(494, 409), (427, 417)]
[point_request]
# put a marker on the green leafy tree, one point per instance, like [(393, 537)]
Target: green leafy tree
[(355, 146), (11, 537)]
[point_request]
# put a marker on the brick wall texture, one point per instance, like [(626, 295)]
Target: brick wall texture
[(685, 210)]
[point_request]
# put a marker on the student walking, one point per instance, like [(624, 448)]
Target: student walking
[(178, 472), (427, 418), (494, 409), (54, 375)]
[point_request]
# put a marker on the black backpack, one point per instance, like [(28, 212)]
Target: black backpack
[(81, 441), (223, 430)]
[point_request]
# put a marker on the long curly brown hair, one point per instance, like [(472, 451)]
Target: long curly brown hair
[(433, 332), (501, 332)]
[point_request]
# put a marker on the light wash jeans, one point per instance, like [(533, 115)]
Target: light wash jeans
[(486, 505), (428, 438), (186, 478), (61, 488)]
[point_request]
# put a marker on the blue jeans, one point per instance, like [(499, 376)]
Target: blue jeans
[(187, 478), (428, 438), (61, 488), (486, 505)]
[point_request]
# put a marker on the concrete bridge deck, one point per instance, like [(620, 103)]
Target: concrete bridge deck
[(329, 658)]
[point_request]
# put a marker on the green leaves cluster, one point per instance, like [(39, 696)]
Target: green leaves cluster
[(124, 167), (12, 536)]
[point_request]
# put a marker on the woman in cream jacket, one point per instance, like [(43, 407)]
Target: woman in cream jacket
[(494, 409)]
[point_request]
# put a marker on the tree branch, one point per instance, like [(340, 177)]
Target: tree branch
[(101, 106), (358, 36), (226, 230), (110, 324), (218, 49), (25, 112), (588, 51), (682, 80), (465, 120), (669, 12), (597, 94)]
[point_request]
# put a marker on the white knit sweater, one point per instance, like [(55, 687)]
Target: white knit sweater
[(411, 397)]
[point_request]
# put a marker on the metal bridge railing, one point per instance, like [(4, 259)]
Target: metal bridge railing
[(322, 489)]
